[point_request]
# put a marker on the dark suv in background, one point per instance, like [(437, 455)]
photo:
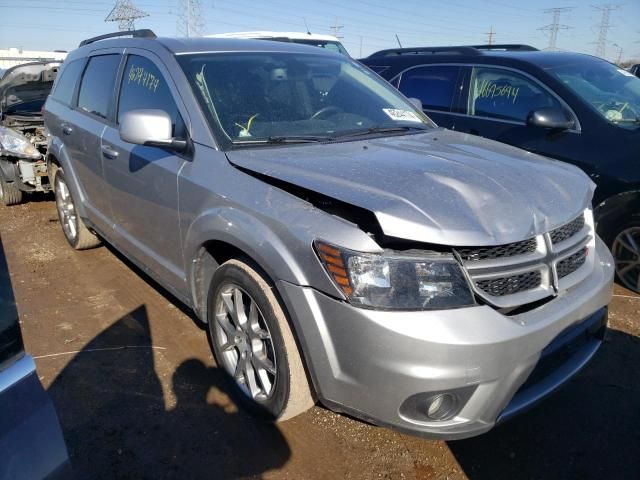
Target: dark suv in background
[(571, 107)]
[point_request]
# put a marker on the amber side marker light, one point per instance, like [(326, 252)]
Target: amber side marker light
[(333, 262)]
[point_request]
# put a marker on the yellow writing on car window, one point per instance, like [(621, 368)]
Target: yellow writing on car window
[(490, 89), (143, 78)]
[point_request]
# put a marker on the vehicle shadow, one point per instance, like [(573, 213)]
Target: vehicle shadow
[(117, 424), (590, 429)]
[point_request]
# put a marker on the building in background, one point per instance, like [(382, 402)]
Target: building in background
[(12, 56)]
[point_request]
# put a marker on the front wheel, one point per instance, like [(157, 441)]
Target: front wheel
[(253, 343), (74, 229), (625, 248), (10, 194)]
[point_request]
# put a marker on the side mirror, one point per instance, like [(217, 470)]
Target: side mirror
[(416, 103), (151, 128), (553, 118)]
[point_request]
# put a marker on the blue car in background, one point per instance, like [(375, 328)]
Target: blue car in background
[(31, 441)]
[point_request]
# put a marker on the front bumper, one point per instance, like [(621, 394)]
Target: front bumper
[(368, 363)]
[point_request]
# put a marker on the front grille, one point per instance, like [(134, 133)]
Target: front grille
[(499, 251), (499, 287), (571, 264), (564, 232), (521, 273)]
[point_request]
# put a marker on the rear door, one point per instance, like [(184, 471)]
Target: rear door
[(143, 181), (437, 86), (83, 128), (497, 103)]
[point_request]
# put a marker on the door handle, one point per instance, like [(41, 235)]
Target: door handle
[(109, 152), (66, 129)]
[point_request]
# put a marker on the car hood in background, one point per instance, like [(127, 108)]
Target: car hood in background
[(439, 187), (27, 83)]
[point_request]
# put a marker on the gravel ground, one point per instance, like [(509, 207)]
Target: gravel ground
[(139, 396)]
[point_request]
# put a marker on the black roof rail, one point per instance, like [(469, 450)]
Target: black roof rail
[(142, 33), (507, 47), (460, 50), (426, 50)]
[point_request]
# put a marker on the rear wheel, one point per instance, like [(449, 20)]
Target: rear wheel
[(253, 343), (10, 194), (625, 248), (74, 229)]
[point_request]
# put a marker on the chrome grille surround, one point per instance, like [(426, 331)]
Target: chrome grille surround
[(561, 258)]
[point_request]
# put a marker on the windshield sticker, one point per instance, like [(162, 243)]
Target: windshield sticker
[(401, 115), (490, 89), (625, 73), (140, 76)]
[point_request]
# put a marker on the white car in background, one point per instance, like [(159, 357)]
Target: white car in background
[(328, 42)]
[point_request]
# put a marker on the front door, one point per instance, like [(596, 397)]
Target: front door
[(143, 180), (497, 106)]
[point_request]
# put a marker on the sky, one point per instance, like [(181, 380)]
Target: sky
[(366, 25)]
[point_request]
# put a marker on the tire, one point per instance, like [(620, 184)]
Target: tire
[(10, 194), (271, 383), (625, 247), (74, 229)]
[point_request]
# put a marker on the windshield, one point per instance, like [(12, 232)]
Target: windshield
[(326, 44), (259, 97), (612, 91)]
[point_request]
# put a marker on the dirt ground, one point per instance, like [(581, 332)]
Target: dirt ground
[(139, 396)]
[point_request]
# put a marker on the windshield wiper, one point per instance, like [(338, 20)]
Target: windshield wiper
[(375, 130), (298, 138), (284, 139), (628, 120)]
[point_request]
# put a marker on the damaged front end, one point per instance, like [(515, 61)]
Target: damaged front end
[(23, 138)]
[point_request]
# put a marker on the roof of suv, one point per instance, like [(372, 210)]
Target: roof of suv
[(510, 55), (193, 45)]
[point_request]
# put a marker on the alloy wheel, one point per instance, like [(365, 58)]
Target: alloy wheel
[(244, 340), (626, 253), (66, 210)]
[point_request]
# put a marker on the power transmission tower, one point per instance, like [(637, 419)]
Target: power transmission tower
[(336, 29), (191, 20), (490, 34), (604, 26), (125, 13), (555, 26)]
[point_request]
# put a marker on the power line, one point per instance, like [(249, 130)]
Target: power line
[(555, 26), (191, 21), (125, 13), (604, 26)]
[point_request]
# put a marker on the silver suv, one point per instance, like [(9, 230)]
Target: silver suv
[(340, 247)]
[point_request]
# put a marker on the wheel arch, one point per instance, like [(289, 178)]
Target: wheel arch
[(614, 211)]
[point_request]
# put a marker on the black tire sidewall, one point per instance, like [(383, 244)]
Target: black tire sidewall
[(231, 273), (60, 178)]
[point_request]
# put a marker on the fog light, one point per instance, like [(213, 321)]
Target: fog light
[(441, 406)]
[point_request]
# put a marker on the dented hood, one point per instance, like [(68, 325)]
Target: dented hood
[(439, 187)]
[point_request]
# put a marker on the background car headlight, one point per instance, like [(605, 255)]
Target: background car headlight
[(17, 145), (397, 280)]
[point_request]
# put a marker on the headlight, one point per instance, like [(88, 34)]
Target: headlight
[(17, 145), (397, 280)]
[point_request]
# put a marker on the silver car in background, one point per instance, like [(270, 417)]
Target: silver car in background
[(340, 247)]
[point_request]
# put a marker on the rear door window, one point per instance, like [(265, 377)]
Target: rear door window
[(96, 89), (434, 85), (144, 87), (66, 84), (506, 95)]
